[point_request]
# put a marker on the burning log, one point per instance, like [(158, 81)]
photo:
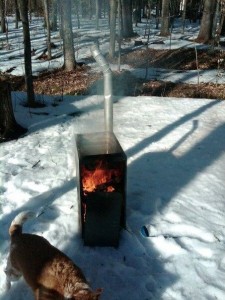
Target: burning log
[(100, 178)]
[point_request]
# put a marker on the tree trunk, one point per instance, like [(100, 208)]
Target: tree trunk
[(137, 7), (84, 10), (97, 13), (46, 10), (221, 30), (165, 18), (17, 14), (54, 7), (205, 32), (184, 13), (53, 15), (215, 19), (23, 7), (2, 16), (112, 42), (127, 25), (76, 3), (9, 128), (90, 9), (119, 33), (158, 13), (68, 46)]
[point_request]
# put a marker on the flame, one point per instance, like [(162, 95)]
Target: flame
[(101, 178)]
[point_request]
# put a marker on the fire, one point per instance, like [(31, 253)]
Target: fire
[(99, 179)]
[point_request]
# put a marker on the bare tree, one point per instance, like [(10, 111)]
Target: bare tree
[(165, 18), (17, 14), (47, 21), (2, 15), (68, 46), (97, 13), (54, 15), (184, 8), (76, 4), (9, 128), (112, 17), (221, 29), (137, 4), (158, 13), (23, 7), (127, 24), (206, 28)]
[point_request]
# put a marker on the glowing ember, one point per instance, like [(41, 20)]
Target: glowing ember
[(99, 179)]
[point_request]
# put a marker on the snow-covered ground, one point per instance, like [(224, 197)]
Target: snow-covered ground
[(175, 189)]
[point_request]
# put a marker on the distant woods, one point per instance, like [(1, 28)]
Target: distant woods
[(123, 16)]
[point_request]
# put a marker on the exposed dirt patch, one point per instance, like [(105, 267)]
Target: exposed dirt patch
[(84, 81), (180, 59), (61, 82), (183, 90)]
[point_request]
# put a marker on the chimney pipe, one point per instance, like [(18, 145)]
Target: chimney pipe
[(108, 105)]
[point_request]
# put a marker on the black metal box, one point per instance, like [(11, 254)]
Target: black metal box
[(101, 185)]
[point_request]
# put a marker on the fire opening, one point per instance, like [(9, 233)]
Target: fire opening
[(101, 177)]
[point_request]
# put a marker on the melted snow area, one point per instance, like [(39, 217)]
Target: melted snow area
[(173, 247)]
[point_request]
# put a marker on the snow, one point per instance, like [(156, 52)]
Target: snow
[(175, 189)]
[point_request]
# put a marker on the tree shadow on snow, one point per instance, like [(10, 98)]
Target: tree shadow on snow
[(166, 176), (39, 205)]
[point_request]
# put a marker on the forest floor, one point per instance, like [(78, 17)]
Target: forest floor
[(86, 81)]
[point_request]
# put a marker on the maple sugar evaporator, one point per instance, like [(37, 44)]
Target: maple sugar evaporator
[(101, 175)]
